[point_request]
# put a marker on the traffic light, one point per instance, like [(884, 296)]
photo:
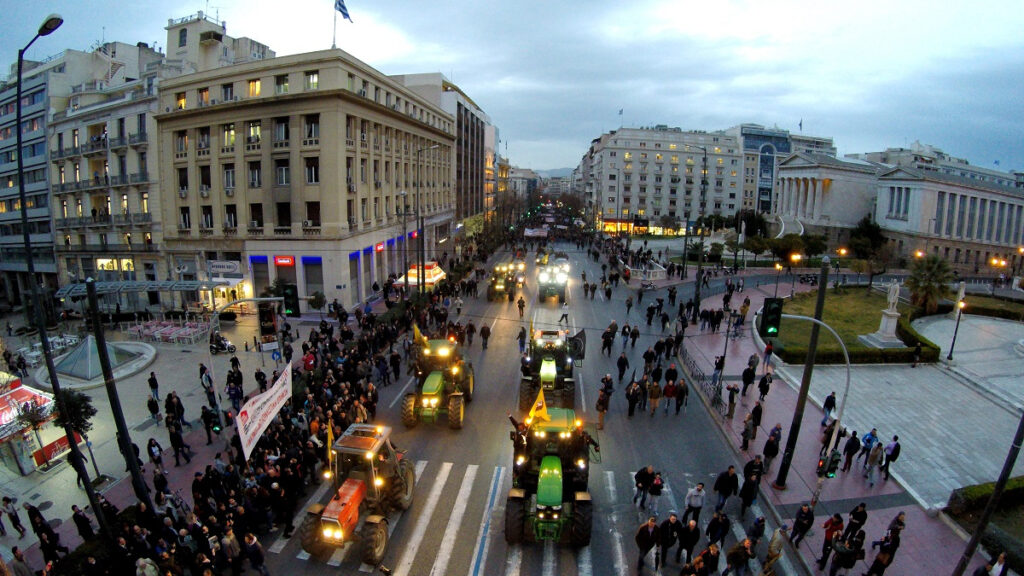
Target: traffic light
[(833, 463), (771, 318), (822, 466), (291, 299)]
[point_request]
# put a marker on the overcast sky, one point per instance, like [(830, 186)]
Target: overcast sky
[(554, 74)]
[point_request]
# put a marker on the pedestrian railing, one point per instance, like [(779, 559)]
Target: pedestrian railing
[(713, 391)]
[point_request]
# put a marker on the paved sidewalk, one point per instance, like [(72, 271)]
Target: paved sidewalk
[(914, 403)]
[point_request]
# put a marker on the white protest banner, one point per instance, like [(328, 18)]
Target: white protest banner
[(259, 411)]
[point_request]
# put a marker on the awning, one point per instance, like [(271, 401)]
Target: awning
[(79, 289), (18, 395)]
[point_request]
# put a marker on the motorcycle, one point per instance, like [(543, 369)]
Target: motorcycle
[(222, 345)]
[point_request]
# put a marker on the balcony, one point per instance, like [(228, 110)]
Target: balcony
[(316, 141), (119, 142), (95, 146), (61, 153), (280, 144), (252, 144), (139, 139), (254, 229), (282, 230), (139, 178), (204, 231), (230, 230), (227, 149), (203, 149), (310, 228), (105, 248), (142, 218)]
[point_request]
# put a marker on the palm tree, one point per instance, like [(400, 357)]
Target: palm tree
[(929, 282)]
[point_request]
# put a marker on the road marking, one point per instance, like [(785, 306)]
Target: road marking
[(337, 556), (401, 393), (515, 560), (444, 553), (549, 558), (618, 553), (281, 542), (420, 466), (480, 553), (413, 544), (302, 555), (584, 562)]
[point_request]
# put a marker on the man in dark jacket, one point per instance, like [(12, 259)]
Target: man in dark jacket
[(671, 532), (647, 537), (643, 478), (688, 539), (727, 484), (801, 524), (850, 450)]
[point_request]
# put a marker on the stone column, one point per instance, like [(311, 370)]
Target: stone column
[(818, 197)]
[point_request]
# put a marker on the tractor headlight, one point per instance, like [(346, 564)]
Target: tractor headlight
[(455, 369), (555, 516), (378, 482), (544, 277), (368, 455), (581, 463), (568, 360), (562, 278), (443, 352), (541, 434), (426, 402), (520, 459), (327, 474)]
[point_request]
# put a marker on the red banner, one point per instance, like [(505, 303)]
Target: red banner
[(54, 450)]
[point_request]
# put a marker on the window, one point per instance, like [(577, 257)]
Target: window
[(281, 84), (253, 132), (179, 100), (281, 129), (256, 214), (228, 134), (229, 176), (182, 37), (312, 79), (312, 170), (204, 177), (181, 141), (203, 96), (204, 138), (144, 202), (230, 216), (284, 214), (183, 178), (255, 174), (227, 92), (184, 218), (281, 172), (313, 212), (254, 88), (312, 125)]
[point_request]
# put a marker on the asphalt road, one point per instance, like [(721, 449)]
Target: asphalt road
[(456, 523)]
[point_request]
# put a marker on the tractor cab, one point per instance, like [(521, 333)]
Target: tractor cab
[(550, 356)]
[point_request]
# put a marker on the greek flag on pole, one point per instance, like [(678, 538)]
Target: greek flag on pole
[(339, 5)]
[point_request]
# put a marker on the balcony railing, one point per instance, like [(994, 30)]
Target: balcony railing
[(106, 248), (138, 139)]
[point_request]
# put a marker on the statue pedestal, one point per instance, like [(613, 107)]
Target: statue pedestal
[(885, 337)]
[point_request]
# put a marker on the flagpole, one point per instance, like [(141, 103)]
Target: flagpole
[(334, 39)]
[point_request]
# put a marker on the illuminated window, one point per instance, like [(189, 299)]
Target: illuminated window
[(179, 100), (254, 88), (204, 96), (312, 80), (672, 147), (228, 134)]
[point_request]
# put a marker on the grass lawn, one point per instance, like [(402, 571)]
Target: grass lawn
[(850, 313)]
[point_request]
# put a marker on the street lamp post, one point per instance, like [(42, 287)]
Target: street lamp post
[(778, 273), (419, 213), (794, 259), (703, 224), (52, 22), (404, 212), (959, 312)]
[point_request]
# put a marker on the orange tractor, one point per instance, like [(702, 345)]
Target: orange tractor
[(371, 480)]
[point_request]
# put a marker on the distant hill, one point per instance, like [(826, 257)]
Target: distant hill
[(555, 173)]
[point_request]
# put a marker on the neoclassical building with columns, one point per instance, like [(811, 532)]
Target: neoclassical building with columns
[(822, 194)]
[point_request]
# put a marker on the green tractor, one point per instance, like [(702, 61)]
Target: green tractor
[(444, 385), (549, 365), (551, 468), (501, 283), (552, 281)]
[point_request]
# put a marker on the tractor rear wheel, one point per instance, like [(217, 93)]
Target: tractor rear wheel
[(309, 535), (375, 542), (568, 392), (582, 521), (515, 520), (469, 383), (409, 411), (404, 497), (526, 395), (456, 411)]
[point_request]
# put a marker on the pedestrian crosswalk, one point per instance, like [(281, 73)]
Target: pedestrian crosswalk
[(456, 526)]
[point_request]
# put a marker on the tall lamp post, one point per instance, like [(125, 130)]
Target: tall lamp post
[(778, 274), (794, 260), (703, 203), (419, 213), (49, 25), (404, 212), (959, 312)]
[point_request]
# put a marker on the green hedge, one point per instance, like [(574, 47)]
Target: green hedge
[(995, 540)]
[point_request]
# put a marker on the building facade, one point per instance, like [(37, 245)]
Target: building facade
[(763, 149), (927, 158), (304, 168), (639, 179), (824, 195)]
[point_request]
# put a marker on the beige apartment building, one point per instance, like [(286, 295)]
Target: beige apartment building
[(305, 168)]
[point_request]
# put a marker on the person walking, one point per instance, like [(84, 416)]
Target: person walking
[(633, 394), (154, 386), (802, 523), (647, 537), (156, 453), (254, 552), (850, 450), (485, 335), (775, 546), (771, 445), (622, 364), (833, 533), (181, 449), (828, 406), (643, 479), (867, 442), (748, 376), (892, 453), (82, 523), (873, 463), (671, 532), (12, 515), (602, 408), (763, 386), (565, 313), (682, 395), (856, 520), (738, 557), (694, 501), (654, 491), (688, 539), (755, 414), (726, 485), (748, 494), (654, 395), (522, 306), (717, 529), (747, 432), (522, 339), (732, 389)]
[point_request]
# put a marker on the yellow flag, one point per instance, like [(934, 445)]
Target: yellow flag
[(330, 445), (531, 329), (418, 337), (540, 409)]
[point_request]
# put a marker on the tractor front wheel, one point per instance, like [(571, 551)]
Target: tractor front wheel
[(515, 520), (375, 542), (582, 521), (404, 499), (456, 411), (470, 383), (409, 411), (309, 535), (526, 394)]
